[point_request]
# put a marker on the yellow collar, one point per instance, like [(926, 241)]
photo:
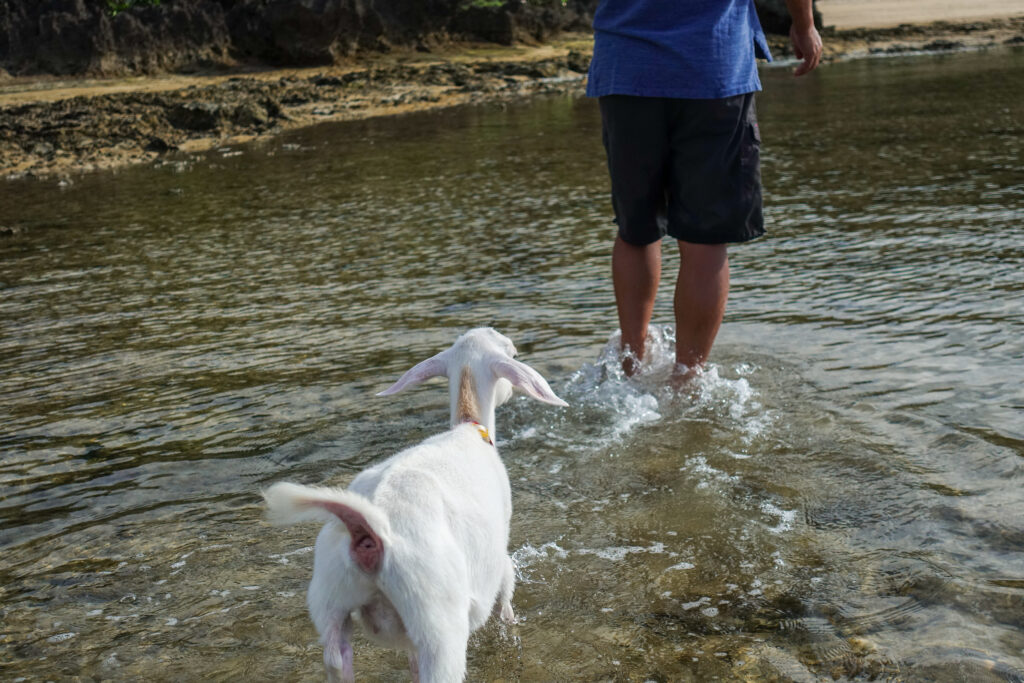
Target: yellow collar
[(483, 431)]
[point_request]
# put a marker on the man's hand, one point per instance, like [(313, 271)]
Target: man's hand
[(806, 46), (805, 38)]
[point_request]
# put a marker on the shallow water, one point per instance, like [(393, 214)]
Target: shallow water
[(840, 496)]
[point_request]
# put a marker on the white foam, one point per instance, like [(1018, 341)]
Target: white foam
[(786, 517), (283, 557), (734, 399), (619, 553), (707, 474), (527, 554), (697, 603), (527, 433), (601, 394), (680, 566), (605, 396)]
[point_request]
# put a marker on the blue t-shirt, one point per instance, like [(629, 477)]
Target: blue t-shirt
[(692, 49)]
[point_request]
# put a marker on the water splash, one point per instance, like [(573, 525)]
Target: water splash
[(528, 555), (619, 553), (603, 394)]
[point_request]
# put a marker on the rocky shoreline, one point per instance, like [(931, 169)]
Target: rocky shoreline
[(56, 129)]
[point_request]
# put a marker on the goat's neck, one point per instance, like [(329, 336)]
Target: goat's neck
[(471, 405)]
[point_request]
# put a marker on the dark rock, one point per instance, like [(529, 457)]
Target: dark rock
[(938, 45), (80, 36), (197, 116), (895, 49), (250, 114), (274, 109), (578, 62), (516, 21), (328, 81), (43, 149), (492, 24), (158, 144)]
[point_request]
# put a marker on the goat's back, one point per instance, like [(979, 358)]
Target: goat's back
[(448, 496), (456, 474)]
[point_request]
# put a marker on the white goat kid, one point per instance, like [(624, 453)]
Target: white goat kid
[(416, 547)]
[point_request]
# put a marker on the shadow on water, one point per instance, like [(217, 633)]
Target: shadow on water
[(836, 496)]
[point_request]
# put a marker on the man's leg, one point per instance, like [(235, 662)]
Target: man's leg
[(636, 272), (634, 130), (714, 199), (701, 292)]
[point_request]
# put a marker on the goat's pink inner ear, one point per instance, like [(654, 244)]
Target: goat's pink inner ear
[(432, 367), (366, 546), (528, 380)]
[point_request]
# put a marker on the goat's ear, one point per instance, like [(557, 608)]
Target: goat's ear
[(527, 380), (432, 367)]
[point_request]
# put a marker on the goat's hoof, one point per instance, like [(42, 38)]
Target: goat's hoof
[(507, 615)]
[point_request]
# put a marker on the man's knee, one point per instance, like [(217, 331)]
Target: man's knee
[(703, 253)]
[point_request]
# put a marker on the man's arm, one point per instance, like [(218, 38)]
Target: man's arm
[(806, 41)]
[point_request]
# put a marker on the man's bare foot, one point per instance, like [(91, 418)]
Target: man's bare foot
[(684, 377), (631, 360)]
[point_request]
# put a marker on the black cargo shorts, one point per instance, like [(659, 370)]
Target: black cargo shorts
[(686, 168)]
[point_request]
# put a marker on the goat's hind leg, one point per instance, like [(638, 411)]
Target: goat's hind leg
[(443, 660), (508, 586), (338, 651), (414, 666)]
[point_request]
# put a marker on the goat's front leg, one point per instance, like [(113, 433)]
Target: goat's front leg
[(338, 651)]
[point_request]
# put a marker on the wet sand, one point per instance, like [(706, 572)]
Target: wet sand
[(58, 128)]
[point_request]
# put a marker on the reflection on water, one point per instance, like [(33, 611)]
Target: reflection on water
[(838, 496)]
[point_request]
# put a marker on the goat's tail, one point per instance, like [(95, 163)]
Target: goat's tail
[(367, 524)]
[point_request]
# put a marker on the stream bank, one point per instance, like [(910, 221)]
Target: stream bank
[(52, 127)]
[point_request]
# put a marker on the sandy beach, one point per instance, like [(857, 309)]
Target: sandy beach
[(58, 127), (849, 14)]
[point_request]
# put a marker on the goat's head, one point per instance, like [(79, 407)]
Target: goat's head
[(482, 372)]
